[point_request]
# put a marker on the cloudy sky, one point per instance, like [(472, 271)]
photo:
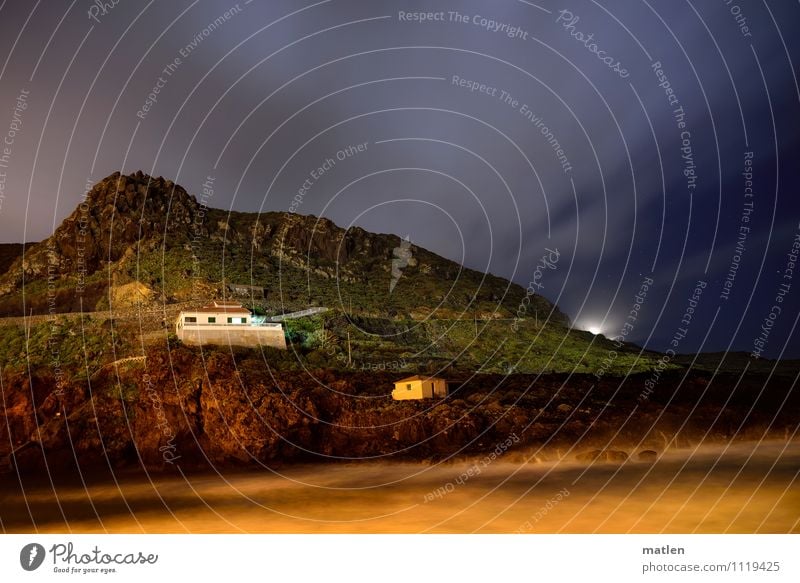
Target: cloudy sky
[(644, 141)]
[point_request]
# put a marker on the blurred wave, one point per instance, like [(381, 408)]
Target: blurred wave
[(738, 488)]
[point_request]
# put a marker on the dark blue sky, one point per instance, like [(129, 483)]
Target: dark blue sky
[(573, 143)]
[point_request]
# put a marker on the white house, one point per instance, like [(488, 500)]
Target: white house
[(228, 323), (419, 387)]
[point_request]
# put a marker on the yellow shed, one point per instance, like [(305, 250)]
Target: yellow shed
[(419, 387)]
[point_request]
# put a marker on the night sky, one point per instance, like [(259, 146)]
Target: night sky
[(644, 141)]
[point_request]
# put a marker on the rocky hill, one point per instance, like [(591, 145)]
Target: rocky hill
[(152, 233), (138, 249)]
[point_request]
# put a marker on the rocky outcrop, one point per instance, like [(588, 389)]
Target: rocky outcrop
[(117, 213), (9, 253)]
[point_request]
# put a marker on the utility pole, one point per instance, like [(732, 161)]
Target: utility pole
[(349, 352)]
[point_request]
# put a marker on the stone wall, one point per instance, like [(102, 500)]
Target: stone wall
[(252, 336)]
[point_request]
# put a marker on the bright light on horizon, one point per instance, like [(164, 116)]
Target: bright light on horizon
[(591, 327)]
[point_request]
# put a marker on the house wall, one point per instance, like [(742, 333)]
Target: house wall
[(238, 335), (420, 390), (440, 388), (401, 392), (221, 317), (426, 389)]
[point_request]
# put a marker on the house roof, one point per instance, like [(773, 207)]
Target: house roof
[(417, 377), (233, 309)]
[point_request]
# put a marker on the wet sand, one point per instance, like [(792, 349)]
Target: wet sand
[(740, 488)]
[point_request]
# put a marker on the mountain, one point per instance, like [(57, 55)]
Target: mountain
[(139, 249), (150, 232), (96, 378)]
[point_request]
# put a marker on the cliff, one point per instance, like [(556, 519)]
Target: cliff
[(191, 410)]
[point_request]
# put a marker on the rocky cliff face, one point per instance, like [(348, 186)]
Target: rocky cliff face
[(190, 410)]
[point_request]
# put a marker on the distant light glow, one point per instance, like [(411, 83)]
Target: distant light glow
[(595, 330)]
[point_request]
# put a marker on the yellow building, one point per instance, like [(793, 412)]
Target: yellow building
[(418, 387)]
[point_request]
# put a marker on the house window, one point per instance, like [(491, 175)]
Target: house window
[(212, 320), (408, 387), (190, 319)]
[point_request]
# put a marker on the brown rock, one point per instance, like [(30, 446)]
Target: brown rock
[(616, 455), (647, 455), (589, 456)]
